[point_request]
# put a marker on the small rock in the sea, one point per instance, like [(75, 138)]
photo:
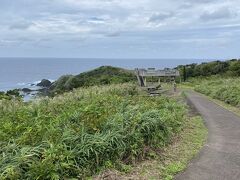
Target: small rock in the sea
[(45, 83), (26, 90)]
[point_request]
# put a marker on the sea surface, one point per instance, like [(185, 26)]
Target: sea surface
[(23, 72)]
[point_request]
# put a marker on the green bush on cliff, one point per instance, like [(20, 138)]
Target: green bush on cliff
[(101, 76), (11, 94)]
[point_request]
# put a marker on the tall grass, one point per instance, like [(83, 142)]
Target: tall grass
[(224, 89), (78, 133)]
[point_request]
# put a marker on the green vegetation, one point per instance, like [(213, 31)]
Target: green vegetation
[(224, 68), (190, 141), (224, 89), (82, 132), (234, 109), (166, 162), (11, 94), (101, 76), (218, 79)]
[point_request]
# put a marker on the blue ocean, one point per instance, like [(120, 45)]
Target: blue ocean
[(23, 72)]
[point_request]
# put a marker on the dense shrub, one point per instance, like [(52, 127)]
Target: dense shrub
[(11, 94), (224, 89), (79, 133), (224, 68), (101, 76)]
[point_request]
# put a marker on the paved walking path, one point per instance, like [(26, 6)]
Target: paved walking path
[(220, 157)]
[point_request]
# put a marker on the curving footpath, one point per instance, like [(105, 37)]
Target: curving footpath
[(220, 157)]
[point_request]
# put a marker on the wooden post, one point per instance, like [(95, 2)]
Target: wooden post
[(184, 74)]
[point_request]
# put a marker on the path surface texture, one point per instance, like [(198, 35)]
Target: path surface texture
[(220, 157)]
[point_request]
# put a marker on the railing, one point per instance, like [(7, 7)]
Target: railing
[(157, 73)]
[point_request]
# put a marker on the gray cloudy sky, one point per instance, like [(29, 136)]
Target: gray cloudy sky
[(120, 28)]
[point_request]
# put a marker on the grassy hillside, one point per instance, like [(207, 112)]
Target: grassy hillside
[(101, 76), (77, 134), (224, 89), (218, 79)]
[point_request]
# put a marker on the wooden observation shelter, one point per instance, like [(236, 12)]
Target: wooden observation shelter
[(144, 74)]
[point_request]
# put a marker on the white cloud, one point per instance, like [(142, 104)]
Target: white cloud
[(222, 13), (56, 25), (118, 21), (160, 16), (108, 4)]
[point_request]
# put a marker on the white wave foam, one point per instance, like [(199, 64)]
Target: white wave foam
[(36, 82), (21, 84), (52, 80)]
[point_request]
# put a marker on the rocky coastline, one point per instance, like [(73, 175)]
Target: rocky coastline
[(29, 92)]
